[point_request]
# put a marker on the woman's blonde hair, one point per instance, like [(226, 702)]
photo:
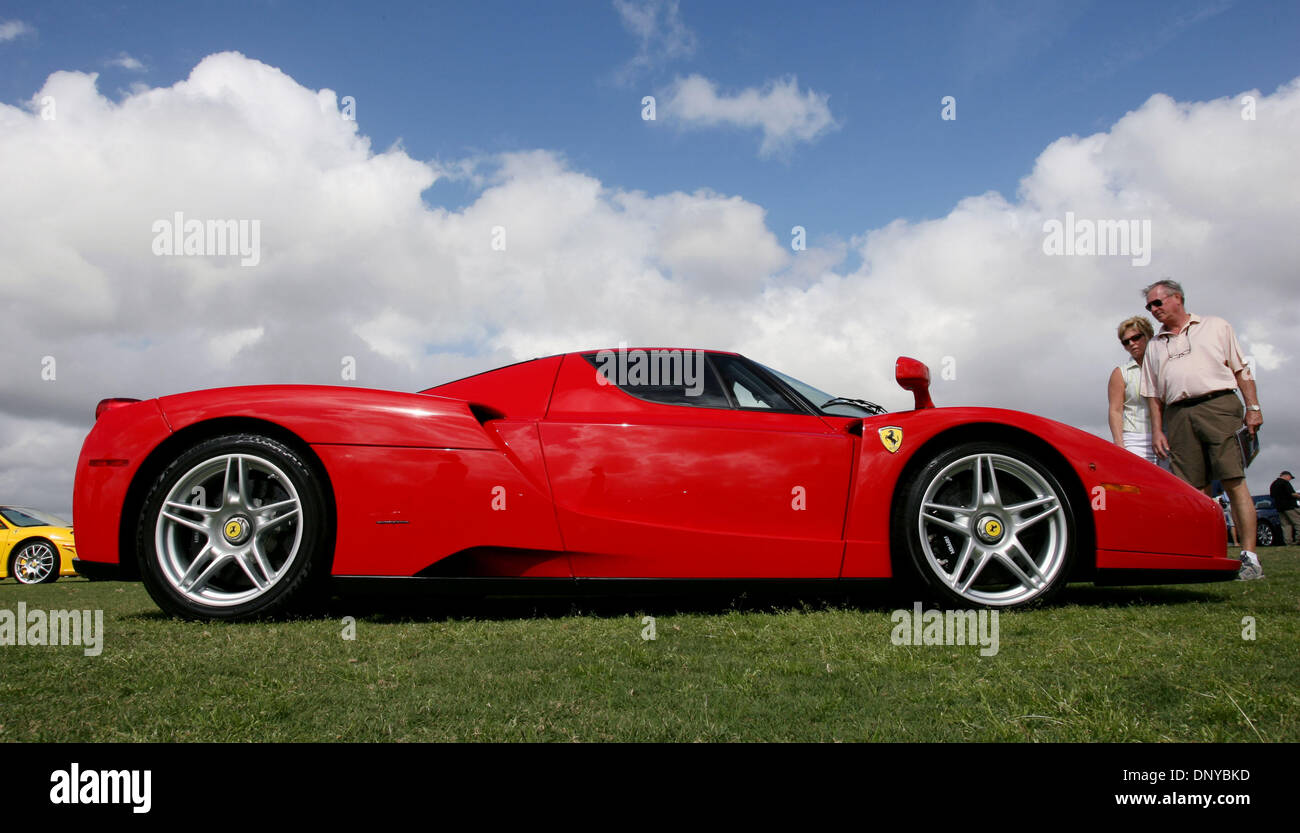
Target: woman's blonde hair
[(1140, 322)]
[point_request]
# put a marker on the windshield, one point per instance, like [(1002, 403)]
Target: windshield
[(825, 402), (30, 517)]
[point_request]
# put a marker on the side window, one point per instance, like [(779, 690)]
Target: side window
[(666, 377), (749, 390)]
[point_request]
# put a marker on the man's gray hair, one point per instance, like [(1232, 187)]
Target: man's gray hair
[(1174, 287)]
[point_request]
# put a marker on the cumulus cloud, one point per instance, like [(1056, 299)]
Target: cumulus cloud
[(13, 29), (125, 61), (660, 33), (358, 270), (785, 115)]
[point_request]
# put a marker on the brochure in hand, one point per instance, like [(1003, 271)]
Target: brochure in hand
[(1249, 442)]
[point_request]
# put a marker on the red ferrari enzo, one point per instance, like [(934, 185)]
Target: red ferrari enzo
[(617, 464)]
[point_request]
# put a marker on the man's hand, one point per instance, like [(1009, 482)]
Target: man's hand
[(1253, 420), (1160, 443), (1249, 395)]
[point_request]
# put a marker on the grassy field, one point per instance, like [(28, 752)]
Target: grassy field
[(1113, 664)]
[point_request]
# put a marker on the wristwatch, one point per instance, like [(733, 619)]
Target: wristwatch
[(1252, 407)]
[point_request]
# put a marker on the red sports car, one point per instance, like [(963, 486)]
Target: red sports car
[(617, 464)]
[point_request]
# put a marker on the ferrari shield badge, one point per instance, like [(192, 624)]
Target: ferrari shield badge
[(891, 437)]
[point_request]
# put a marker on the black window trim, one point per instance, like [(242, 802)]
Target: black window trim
[(802, 406), (590, 357)]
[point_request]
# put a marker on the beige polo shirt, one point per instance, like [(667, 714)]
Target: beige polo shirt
[(1203, 358)]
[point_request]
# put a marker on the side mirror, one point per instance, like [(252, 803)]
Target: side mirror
[(913, 375)]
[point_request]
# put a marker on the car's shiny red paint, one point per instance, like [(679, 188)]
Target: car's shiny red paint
[(539, 470), (321, 415), (914, 376), (430, 503), (648, 489), (126, 432)]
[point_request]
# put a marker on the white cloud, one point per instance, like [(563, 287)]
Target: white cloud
[(38, 457), (660, 33), (224, 346), (13, 29), (355, 264), (125, 61), (784, 114)]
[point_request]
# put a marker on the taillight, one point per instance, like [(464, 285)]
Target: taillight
[(109, 404)]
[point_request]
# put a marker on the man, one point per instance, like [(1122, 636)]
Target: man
[(1284, 501), (1189, 376)]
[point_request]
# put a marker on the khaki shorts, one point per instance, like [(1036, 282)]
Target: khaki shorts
[(1202, 440)]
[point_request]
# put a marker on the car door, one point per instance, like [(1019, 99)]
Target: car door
[(726, 477)]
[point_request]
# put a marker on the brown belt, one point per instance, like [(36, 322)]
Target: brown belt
[(1196, 400)]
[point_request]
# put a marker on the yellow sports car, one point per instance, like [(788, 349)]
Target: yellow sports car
[(37, 547)]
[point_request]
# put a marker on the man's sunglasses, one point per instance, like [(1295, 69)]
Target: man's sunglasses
[(1132, 340), (1159, 302)]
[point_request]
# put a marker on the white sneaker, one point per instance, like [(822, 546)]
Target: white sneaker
[(1250, 568)]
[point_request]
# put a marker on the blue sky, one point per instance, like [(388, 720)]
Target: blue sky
[(451, 80)]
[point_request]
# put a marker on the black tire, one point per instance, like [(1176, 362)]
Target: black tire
[(35, 562), (1013, 547), (1265, 535), (250, 540)]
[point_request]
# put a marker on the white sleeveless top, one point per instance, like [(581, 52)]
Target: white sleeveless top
[(1137, 419)]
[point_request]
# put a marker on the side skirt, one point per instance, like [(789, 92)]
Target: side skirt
[(1114, 576), (586, 586)]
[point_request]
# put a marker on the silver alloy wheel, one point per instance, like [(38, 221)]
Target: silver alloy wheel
[(35, 563), (229, 530), (1010, 525)]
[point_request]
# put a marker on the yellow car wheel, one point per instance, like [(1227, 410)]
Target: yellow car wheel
[(35, 562)]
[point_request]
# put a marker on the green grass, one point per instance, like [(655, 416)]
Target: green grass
[(1114, 664)]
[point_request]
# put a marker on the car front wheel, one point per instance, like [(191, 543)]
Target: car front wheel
[(233, 528), (1265, 534), (988, 525), (36, 562)]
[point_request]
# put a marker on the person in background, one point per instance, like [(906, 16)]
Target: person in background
[(1192, 372), (1130, 420), (1227, 519), (1284, 501)]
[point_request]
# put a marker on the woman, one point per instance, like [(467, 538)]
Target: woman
[(1130, 423)]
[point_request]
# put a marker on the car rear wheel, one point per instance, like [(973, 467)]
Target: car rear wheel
[(233, 528), (35, 562), (1265, 534), (988, 525)]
